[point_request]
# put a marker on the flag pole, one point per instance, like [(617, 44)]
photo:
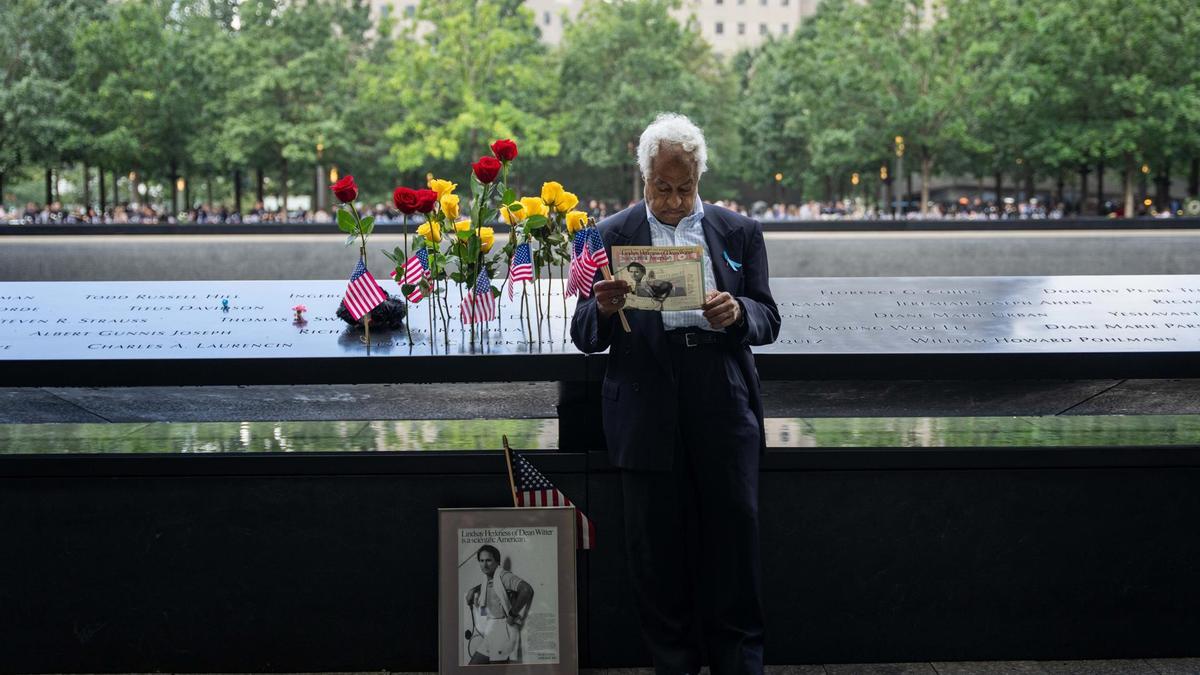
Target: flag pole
[(508, 460), (620, 312), (366, 319), (609, 277)]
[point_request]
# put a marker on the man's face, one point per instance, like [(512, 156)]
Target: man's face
[(487, 563), (671, 187), (637, 272)]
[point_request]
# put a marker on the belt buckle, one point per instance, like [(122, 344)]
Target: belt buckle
[(691, 339)]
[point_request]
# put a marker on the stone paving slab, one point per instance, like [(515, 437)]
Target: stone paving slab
[(537, 400), (34, 406), (501, 400), (912, 398), (1174, 666)]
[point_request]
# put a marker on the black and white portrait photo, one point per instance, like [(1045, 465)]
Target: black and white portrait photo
[(509, 595)]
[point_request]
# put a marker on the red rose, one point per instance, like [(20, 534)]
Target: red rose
[(426, 200), (345, 190), (505, 150), (405, 200), (486, 169)]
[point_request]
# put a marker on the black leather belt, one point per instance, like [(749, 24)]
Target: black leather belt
[(685, 337)]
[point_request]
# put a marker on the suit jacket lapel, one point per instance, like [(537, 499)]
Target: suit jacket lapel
[(720, 243), (636, 229)]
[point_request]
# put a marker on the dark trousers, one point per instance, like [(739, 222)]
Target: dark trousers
[(692, 533)]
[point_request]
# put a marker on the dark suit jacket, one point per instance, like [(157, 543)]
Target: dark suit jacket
[(639, 399)]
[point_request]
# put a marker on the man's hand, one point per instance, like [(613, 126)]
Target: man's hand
[(610, 296), (721, 309)]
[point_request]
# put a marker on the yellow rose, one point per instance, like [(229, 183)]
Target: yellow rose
[(449, 205), (442, 187), (567, 202), (575, 221), (462, 226), (533, 206), (431, 231), (552, 192), (509, 217), (487, 237)]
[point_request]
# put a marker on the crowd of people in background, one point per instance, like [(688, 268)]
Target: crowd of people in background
[(846, 209)]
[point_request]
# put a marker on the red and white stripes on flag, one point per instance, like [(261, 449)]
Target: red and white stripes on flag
[(416, 270), (479, 304), (362, 293), (521, 268), (533, 489), (586, 532), (583, 267)]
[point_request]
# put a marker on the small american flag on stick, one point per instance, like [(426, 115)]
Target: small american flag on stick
[(531, 488), (521, 268), (583, 267), (596, 247), (479, 304), (363, 294), (416, 269)]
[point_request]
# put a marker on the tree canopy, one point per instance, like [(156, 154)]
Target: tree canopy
[(220, 90)]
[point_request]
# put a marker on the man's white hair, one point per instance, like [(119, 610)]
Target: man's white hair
[(676, 130)]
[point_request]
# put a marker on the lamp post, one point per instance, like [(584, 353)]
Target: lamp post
[(899, 171), (778, 188)]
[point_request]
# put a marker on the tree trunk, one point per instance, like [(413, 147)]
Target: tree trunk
[(828, 188), (208, 190), (49, 186), (1162, 189), (103, 201), (259, 193), (1100, 210), (999, 188), (87, 188), (187, 195), (174, 190), (1128, 186), (1029, 189), (1194, 178), (890, 206), (1061, 188), (237, 191), (283, 188), (1, 187), (926, 169), (908, 186), (1083, 195), (57, 189)]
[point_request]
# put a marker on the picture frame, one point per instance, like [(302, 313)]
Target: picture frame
[(529, 552)]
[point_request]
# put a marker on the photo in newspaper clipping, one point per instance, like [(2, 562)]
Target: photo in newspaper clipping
[(663, 278), (509, 589)]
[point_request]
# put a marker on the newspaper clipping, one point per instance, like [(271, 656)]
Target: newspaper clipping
[(509, 585), (663, 278)]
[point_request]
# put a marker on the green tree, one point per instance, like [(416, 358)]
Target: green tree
[(461, 74), (289, 66), (36, 98), (623, 63)]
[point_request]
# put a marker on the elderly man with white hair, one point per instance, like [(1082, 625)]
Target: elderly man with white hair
[(682, 415)]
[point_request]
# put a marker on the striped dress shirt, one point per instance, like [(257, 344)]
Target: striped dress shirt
[(689, 232)]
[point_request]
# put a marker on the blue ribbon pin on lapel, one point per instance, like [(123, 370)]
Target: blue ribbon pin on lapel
[(733, 264)]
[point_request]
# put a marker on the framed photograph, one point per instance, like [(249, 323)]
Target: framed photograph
[(506, 596), (666, 278)]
